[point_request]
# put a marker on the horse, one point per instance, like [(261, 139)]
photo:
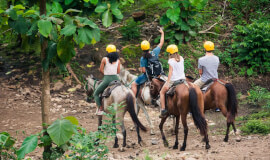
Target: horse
[(143, 98), (119, 95), (222, 95), (187, 97)]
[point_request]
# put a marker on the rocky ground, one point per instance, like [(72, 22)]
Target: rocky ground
[(21, 116)]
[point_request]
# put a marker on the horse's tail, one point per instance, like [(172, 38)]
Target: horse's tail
[(197, 116), (232, 102), (131, 110)]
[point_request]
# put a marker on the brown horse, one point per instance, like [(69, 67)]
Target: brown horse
[(222, 95), (187, 97)]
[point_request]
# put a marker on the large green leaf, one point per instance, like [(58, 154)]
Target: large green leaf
[(12, 13), (173, 14), (65, 50), (117, 13), (51, 53), (61, 131), (60, 64), (85, 35), (67, 2), (68, 20), (44, 27), (95, 34), (73, 120), (107, 18), (20, 25), (68, 30), (56, 7), (90, 23), (164, 20), (94, 2), (101, 8), (29, 144)]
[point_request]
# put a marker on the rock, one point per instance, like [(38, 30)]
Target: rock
[(190, 158), (121, 149), (154, 141), (119, 135), (238, 132), (238, 139), (57, 86)]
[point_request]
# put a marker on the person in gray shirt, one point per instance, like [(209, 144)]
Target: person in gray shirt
[(207, 65)]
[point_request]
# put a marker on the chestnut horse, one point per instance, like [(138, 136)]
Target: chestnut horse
[(187, 97), (222, 95)]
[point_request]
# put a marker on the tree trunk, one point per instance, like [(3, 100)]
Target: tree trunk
[(45, 96)]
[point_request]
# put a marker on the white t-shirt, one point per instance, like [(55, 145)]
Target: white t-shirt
[(178, 69), (110, 68)]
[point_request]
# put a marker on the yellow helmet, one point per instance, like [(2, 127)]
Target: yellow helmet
[(209, 46), (111, 48), (172, 49), (145, 45)]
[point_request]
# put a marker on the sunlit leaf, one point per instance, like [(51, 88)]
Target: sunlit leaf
[(173, 14), (29, 144), (73, 120), (94, 2), (107, 18), (72, 10), (44, 27), (117, 13), (61, 131), (101, 8)]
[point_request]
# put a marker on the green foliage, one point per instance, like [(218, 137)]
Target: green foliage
[(252, 44), (255, 116), (131, 51), (7, 150), (256, 127), (179, 21), (258, 96), (246, 10), (130, 30)]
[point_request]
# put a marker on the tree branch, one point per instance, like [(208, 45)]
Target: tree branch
[(73, 74)]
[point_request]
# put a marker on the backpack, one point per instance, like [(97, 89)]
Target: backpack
[(154, 67)]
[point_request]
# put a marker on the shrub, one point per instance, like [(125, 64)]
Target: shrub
[(252, 45), (7, 151), (130, 30), (258, 96), (256, 127)]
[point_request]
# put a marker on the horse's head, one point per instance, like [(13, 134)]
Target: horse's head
[(155, 87), (89, 86)]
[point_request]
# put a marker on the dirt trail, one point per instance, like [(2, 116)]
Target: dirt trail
[(20, 111)]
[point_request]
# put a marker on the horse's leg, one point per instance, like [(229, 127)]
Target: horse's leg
[(99, 124), (227, 132), (138, 134), (115, 139), (176, 132), (124, 133), (148, 119), (234, 129), (184, 122), (165, 142)]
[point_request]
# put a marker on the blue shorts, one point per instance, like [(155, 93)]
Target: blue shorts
[(141, 79)]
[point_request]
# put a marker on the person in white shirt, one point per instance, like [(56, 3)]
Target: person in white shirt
[(176, 72)]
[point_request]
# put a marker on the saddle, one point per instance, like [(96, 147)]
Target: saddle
[(205, 87), (171, 90), (107, 92)]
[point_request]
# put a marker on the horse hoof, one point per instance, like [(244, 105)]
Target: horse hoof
[(183, 148), (175, 147), (115, 146), (226, 139), (166, 144), (152, 133), (121, 149), (207, 146)]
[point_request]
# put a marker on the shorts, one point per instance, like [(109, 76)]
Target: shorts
[(141, 79)]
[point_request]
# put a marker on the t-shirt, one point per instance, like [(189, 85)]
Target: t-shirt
[(209, 66), (155, 52), (178, 69)]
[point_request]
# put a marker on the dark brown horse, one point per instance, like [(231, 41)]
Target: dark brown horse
[(187, 97), (222, 95)]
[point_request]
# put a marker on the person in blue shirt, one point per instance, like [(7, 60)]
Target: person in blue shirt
[(145, 46)]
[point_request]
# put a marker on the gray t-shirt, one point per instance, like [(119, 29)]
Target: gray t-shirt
[(209, 66)]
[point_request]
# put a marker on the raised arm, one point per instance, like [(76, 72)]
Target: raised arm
[(161, 38)]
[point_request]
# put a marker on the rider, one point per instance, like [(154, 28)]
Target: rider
[(109, 67), (207, 65), (145, 46), (176, 72)]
